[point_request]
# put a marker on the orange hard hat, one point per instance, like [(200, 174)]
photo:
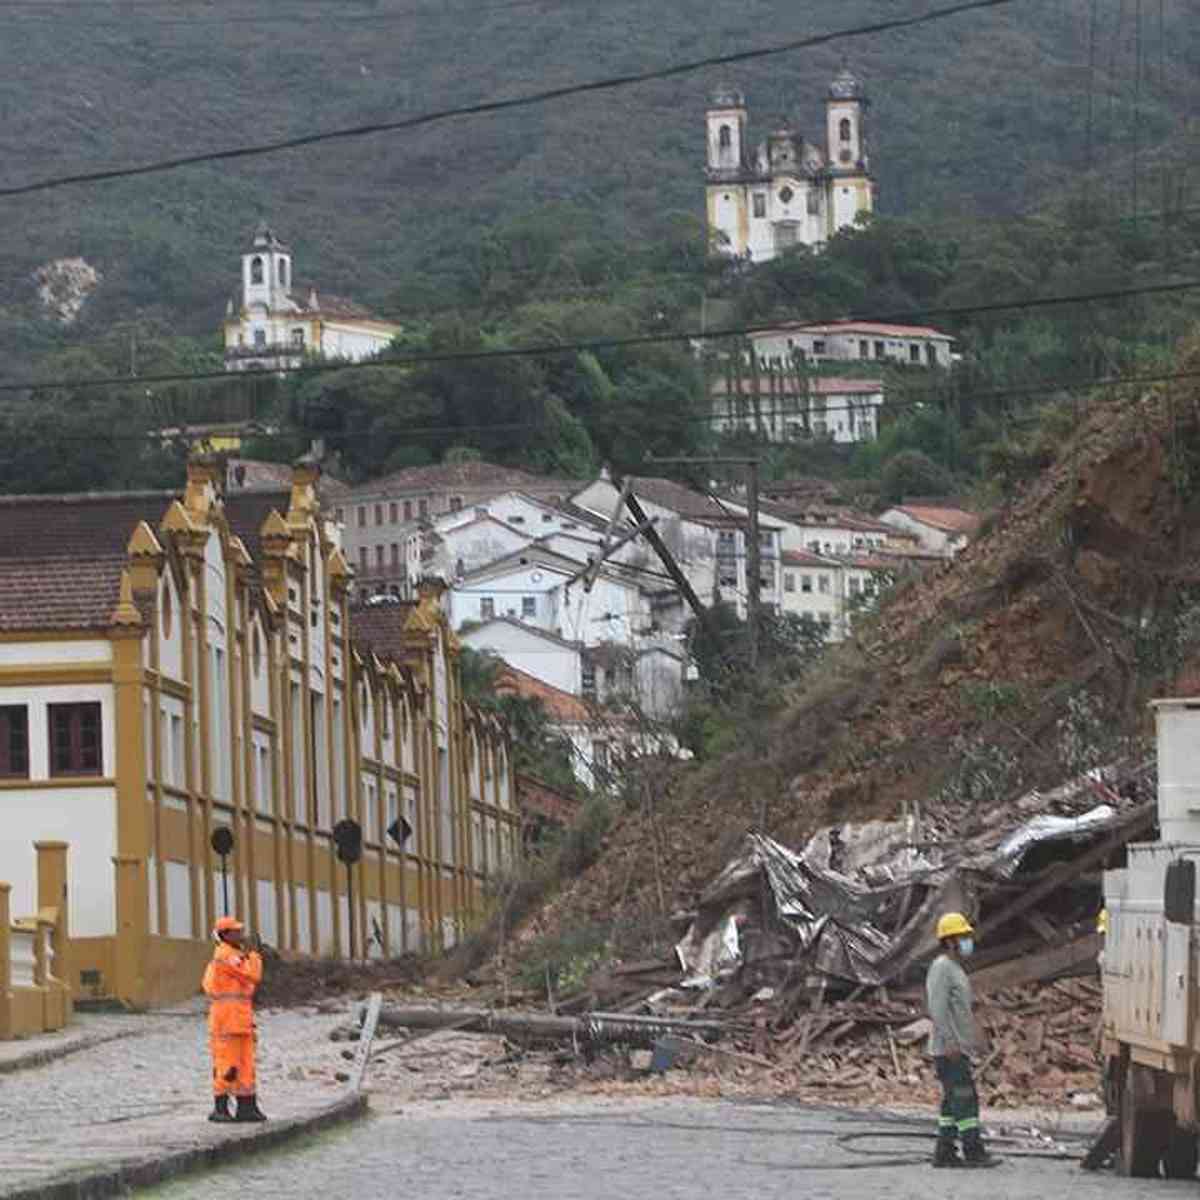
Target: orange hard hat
[(228, 925)]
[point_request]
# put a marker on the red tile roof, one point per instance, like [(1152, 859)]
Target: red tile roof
[(695, 506), (559, 705), (379, 628), (870, 328), (466, 475), (252, 474), (805, 558), (61, 556), (948, 520)]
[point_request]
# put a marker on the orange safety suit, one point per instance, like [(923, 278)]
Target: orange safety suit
[(230, 981)]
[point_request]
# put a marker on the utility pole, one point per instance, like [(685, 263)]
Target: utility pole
[(753, 562), (753, 547)]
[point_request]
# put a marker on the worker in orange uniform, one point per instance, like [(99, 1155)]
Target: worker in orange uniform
[(230, 982)]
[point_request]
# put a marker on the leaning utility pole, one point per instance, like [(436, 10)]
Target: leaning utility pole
[(753, 562), (753, 545)]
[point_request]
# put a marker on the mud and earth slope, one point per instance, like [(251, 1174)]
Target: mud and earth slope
[(1027, 659)]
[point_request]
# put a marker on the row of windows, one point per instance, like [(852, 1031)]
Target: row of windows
[(856, 584), (364, 559), (394, 509), (487, 608), (73, 733), (866, 348)]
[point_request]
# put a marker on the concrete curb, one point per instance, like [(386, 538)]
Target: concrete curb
[(120, 1180), (43, 1057)]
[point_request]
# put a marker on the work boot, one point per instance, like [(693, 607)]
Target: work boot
[(220, 1112), (945, 1153), (975, 1153), (248, 1110)]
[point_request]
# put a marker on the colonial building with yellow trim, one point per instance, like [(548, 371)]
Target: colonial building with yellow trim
[(171, 664)]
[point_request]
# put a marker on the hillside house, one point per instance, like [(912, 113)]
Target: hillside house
[(384, 518), (939, 529), (841, 342), (786, 406)]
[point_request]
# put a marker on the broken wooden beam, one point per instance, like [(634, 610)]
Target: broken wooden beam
[(1031, 968)]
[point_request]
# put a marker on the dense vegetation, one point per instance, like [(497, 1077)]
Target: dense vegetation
[(575, 221)]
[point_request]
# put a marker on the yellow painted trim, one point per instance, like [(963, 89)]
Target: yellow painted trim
[(41, 674), (99, 634), (171, 687), (69, 782)]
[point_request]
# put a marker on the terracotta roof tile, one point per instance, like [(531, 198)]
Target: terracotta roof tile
[(379, 628), (870, 328), (58, 593), (949, 520), (439, 476), (806, 558), (559, 705)]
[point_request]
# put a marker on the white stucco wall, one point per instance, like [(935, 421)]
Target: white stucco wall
[(542, 658), (84, 818), (26, 654)]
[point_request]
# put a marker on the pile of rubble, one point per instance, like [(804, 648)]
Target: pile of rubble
[(812, 961)]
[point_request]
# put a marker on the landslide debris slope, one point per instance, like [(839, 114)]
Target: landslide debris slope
[(1023, 662)]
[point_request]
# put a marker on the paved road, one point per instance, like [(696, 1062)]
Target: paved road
[(589, 1149)]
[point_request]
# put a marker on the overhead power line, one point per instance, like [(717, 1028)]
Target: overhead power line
[(493, 106), (549, 349), (210, 15), (912, 402)]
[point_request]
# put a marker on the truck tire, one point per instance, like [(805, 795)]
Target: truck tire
[(1145, 1133), (1180, 1158)]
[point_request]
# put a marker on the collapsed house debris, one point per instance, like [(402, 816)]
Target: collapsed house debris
[(807, 966), (812, 961)]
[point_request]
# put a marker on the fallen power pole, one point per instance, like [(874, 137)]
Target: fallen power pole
[(591, 1027)]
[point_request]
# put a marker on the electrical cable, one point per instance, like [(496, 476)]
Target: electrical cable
[(493, 106), (1040, 388), (44, 12), (548, 350)]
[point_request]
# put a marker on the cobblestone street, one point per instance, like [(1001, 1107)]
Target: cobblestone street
[(597, 1150), (147, 1092)]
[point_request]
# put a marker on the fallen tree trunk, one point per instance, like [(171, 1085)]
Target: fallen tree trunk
[(591, 1027)]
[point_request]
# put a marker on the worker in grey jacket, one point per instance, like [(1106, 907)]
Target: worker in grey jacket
[(951, 1043)]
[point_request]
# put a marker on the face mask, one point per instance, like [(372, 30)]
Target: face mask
[(966, 946)]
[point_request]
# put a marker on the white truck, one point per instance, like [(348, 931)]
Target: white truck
[(1151, 1035)]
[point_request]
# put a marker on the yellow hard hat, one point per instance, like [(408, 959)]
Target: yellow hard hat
[(1102, 921), (953, 924)]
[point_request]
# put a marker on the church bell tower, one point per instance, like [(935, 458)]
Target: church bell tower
[(266, 271)]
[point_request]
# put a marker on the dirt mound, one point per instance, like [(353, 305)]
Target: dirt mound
[(1027, 659), (295, 983)]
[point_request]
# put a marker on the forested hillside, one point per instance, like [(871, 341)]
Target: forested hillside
[(577, 220), (984, 113)]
